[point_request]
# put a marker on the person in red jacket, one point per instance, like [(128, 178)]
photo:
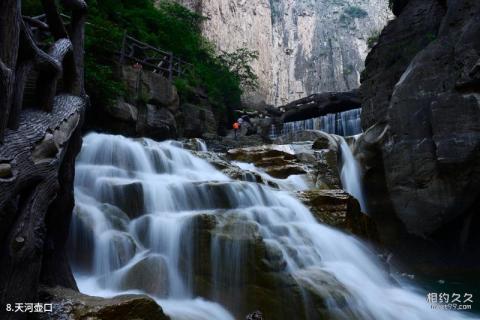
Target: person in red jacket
[(236, 127)]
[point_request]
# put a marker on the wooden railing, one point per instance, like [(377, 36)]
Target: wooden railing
[(152, 58)]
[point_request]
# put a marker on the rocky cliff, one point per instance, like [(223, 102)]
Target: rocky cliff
[(151, 108), (304, 46), (421, 113)]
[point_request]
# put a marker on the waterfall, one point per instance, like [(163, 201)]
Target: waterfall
[(135, 223), (350, 174), (345, 123)]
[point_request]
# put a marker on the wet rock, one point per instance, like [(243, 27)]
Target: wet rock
[(256, 154), (129, 198), (340, 210), (279, 161), (121, 248), (141, 229), (223, 144), (231, 170), (159, 123), (150, 274), (194, 144), (318, 282), (72, 305), (123, 111), (285, 171), (274, 259), (318, 159), (221, 194), (116, 217), (82, 239), (324, 141), (258, 280), (327, 169), (196, 121)]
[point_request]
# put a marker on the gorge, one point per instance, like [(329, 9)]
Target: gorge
[(304, 47)]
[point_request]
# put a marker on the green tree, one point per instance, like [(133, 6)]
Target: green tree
[(169, 26)]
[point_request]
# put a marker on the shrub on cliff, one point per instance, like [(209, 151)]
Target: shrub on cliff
[(166, 25)]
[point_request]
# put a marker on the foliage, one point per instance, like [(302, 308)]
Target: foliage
[(352, 12), (31, 7), (431, 36), (348, 69), (166, 25), (239, 62), (373, 39), (355, 12)]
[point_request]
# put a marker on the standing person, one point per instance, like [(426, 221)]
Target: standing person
[(240, 121), (236, 126)]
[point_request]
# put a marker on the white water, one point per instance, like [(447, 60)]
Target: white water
[(345, 123), (294, 182), (351, 174), (175, 190)]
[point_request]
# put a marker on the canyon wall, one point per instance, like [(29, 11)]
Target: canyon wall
[(421, 116), (304, 46)]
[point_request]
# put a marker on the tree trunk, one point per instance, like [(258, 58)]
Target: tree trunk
[(10, 20)]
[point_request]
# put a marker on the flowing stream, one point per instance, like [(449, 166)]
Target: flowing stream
[(345, 123), (351, 174), (132, 231)]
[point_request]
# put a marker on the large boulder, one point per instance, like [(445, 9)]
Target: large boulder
[(129, 197), (278, 161), (421, 114), (316, 155), (123, 110), (118, 219), (150, 275), (196, 121), (252, 274), (157, 122), (340, 210), (231, 170), (71, 305), (327, 154), (151, 88), (121, 248)]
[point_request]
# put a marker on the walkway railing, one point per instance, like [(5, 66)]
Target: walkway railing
[(152, 58), (132, 50)]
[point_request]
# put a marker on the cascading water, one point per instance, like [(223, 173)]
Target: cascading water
[(345, 123), (350, 174), (132, 231)]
